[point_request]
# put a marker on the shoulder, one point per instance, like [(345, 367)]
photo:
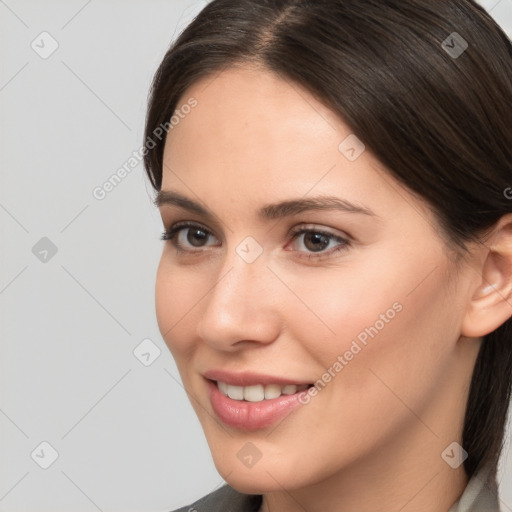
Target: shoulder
[(225, 499)]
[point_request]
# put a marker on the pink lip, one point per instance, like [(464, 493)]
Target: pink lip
[(249, 378), (250, 415)]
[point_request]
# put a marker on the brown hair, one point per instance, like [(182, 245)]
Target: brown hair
[(438, 117)]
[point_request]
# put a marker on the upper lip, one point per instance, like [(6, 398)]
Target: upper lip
[(249, 378)]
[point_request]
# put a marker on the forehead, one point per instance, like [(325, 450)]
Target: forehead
[(255, 137), (243, 106), (253, 120)]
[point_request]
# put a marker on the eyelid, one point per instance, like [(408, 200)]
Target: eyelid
[(306, 228), (345, 242), (295, 232), (175, 228)]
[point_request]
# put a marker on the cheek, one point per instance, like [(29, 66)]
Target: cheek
[(333, 307), (379, 320), (176, 293)]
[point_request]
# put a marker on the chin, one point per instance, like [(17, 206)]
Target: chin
[(260, 479), (249, 484)]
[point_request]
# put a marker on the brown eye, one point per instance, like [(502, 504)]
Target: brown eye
[(316, 241), (311, 243), (196, 237), (187, 236)]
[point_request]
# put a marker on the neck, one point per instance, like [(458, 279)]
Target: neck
[(406, 474), (399, 483)]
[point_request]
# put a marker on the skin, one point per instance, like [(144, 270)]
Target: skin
[(372, 438)]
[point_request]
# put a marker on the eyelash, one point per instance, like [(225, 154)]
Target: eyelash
[(170, 235)]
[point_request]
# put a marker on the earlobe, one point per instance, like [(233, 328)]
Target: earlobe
[(490, 304)]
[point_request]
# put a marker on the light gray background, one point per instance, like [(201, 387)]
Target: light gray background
[(126, 436)]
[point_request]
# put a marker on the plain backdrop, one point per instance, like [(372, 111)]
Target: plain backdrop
[(92, 412)]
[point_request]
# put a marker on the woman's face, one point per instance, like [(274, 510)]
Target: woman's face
[(354, 297)]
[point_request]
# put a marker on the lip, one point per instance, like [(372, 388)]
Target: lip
[(246, 415), (249, 378)]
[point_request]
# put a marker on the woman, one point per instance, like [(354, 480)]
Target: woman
[(336, 281)]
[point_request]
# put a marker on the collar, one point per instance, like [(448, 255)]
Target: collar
[(481, 493)]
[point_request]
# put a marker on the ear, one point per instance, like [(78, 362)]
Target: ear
[(491, 302)]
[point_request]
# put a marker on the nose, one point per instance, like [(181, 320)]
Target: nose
[(241, 309)]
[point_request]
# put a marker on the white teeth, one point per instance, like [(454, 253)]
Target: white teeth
[(235, 392), (289, 389), (272, 391), (254, 393), (223, 387), (258, 392)]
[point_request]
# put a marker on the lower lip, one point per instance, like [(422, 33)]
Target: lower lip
[(251, 415)]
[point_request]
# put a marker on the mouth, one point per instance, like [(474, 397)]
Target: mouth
[(249, 400), (258, 392), (256, 406)]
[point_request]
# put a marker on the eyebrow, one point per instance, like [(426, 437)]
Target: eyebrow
[(270, 211)]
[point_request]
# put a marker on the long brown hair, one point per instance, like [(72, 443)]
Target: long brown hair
[(425, 84)]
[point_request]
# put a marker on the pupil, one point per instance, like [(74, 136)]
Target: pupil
[(319, 241), (196, 236)]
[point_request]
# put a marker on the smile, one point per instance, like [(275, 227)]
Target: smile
[(255, 406), (258, 392)]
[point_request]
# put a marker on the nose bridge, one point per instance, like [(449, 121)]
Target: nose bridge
[(240, 282), (239, 306)]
